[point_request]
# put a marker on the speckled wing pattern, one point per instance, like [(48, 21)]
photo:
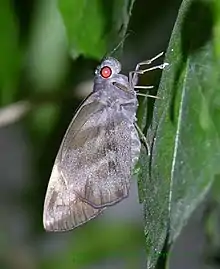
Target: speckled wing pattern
[(92, 169)]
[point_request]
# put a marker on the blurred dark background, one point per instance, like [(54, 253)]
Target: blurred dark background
[(41, 87)]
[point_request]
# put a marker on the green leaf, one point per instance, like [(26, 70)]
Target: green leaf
[(185, 128), (100, 242), (95, 27), (47, 55), (216, 10), (43, 120), (9, 54)]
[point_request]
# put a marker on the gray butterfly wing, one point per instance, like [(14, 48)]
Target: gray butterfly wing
[(63, 208), (96, 160), (92, 169)]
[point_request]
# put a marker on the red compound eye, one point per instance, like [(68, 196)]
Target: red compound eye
[(106, 72)]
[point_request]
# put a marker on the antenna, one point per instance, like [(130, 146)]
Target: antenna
[(118, 46), (120, 43)]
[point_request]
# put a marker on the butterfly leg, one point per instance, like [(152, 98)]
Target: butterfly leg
[(143, 138), (147, 62), (142, 71), (148, 95), (133, 74)]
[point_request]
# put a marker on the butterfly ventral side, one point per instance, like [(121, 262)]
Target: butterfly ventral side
[(94, 164)]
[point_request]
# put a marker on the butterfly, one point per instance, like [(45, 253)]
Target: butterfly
[(93, 167)]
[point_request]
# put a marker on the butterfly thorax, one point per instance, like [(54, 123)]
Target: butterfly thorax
[(117, 94)]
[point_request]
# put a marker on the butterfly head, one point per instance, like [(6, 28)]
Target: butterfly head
[(108, 74), (108, 68)]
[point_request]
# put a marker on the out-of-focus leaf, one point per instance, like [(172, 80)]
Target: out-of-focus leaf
[(43, 120), (101, 242), (47, 57), (185, 128), (9, 53), (95, 27)]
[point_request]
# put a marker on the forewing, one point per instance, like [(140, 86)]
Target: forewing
[(63, 208), (96, 161)]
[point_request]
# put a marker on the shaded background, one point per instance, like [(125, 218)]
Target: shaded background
[(39, 69)]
